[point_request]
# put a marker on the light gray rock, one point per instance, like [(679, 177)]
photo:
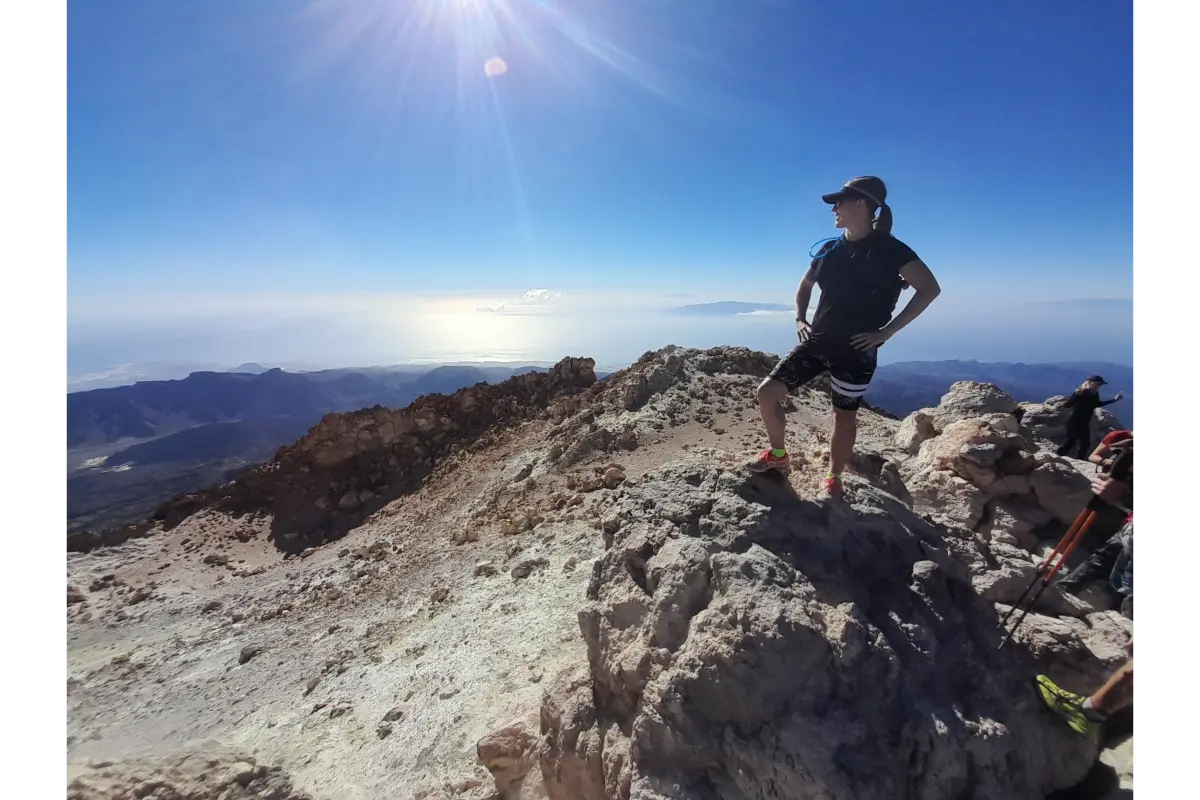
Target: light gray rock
[(1015, 518), (916, 428), (945, 497), (971, 399), (1061, 488), (1045, 422)]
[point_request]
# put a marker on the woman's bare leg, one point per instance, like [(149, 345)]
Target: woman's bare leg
[(770, 405)]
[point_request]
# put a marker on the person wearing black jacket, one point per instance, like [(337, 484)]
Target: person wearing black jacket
[(1114, 515), (1083, 404)]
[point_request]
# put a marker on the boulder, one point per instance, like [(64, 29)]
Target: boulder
[(509, 753), (916, 428), (971, 399), (762, 646), (946, 497), (1046, 421), (1015, 518), (1061, 488)]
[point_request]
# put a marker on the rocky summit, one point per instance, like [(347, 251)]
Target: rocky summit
[(564, 588)]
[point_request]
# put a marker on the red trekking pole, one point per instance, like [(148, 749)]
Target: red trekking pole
[(1050, 567), (1121, 471)]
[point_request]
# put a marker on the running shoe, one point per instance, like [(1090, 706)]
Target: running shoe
[(1066, 705), (767, 461)]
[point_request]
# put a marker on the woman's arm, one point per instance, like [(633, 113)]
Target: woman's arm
[(804, 294), (918, 276), (1099, 454)]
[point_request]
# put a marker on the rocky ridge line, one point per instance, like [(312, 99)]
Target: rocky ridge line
[(352, 464)]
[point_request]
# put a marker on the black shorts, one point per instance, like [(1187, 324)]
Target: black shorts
[(850, 370)]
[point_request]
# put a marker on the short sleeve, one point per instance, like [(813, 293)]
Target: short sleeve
[(901, 254), (1114, 437), (815, 264)]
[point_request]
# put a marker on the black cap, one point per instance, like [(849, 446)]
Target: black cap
[(867, 187), (1097, 379)]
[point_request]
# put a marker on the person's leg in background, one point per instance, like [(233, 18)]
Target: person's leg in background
[(1098, 564), (1069, 443), (1115, 694), (1087, 715), (1108, 713), (1108, 521), (1078, 437), (1085, 443)]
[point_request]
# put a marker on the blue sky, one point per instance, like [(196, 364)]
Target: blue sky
[(252, 151)]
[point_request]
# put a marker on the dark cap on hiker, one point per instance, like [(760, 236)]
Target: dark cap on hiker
[(1097, 379), (867, 188)]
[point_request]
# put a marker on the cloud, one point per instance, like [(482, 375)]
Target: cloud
[(532, 301), (125, 374), (729, 308), (113, 310)]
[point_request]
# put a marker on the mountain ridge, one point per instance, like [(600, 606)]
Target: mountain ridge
[(148, 453), (130, 448), (905, 386)]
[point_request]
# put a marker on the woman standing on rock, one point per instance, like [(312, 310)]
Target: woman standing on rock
[(861, 275), (1083, 404)]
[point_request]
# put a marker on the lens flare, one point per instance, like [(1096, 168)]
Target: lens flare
[(495, 66)]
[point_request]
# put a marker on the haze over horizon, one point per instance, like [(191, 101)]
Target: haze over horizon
[(1093, 331), (344, 184)]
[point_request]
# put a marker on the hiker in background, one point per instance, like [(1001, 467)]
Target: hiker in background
[(1083, 404), (1112, 561), (861, 275), (1112, 498)]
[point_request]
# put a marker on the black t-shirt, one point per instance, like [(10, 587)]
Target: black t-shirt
[(860, 283)]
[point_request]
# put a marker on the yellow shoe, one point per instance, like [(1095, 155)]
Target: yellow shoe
[(1066, 705)]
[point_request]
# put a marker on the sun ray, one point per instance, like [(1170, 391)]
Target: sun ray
[(467, 72), (514, 171)]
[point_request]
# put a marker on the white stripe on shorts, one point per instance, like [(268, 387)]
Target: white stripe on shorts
[(848, 389)]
